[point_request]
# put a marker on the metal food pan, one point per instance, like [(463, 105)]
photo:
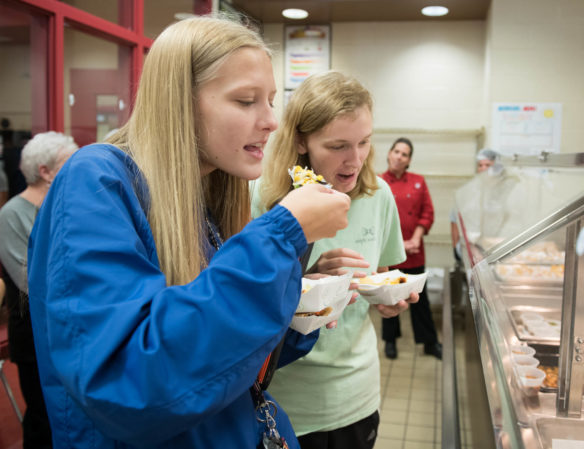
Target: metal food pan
[(526, 280), (547, 359), (523, 334)]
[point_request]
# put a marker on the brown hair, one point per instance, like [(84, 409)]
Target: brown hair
[(319, 100)]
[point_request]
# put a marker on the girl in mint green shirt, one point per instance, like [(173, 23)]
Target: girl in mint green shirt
[(332, 395)]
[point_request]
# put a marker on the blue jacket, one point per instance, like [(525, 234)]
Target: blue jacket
[(126, 361)]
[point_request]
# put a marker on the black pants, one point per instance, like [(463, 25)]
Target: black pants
[(359, 435), (36, 431), (422, 322)]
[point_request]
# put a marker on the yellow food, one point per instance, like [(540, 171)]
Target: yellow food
[(303, 176), (551, 376), (387, 281)]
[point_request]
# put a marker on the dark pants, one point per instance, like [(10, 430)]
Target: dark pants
[(359, 435), (422, 322), (36, 431)]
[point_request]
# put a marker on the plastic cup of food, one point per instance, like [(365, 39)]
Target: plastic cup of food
[(531, 316), (530, 376), (525, 360), (544, 332), (522, 350)]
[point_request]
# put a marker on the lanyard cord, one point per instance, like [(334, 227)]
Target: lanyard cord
[(270, 364)]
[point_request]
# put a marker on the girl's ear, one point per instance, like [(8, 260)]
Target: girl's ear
[(301, 145)]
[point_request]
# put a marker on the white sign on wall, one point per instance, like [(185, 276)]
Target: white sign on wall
[(526, 128), (307, 52)]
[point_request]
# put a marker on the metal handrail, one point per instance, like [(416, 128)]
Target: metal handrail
[(450, 422)]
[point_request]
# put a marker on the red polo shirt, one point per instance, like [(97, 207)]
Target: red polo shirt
[(414, 206)]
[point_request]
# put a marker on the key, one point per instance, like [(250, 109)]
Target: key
[(273, 442)]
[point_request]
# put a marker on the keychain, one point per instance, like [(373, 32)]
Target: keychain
[(271, 438)]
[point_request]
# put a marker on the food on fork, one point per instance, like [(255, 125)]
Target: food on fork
[(303, 176)]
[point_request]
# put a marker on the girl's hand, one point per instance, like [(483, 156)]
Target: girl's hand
[(332, 262), (395, 310), (320, 211)]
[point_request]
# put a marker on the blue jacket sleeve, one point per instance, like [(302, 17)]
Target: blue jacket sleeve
[(296, 345), (146, 361)]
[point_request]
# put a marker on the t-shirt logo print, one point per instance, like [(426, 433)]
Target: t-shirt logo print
[(367, 235), (369, 231)]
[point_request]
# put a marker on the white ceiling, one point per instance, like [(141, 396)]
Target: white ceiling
[(325, 11)]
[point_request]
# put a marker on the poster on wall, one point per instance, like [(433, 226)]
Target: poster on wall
[(526, 128), (307, 52)]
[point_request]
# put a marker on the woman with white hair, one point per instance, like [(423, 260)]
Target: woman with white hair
[(41, 159)]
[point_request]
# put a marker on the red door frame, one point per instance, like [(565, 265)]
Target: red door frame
[(58, 13)]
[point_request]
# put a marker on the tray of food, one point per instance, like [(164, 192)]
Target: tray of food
[(529, 273), (390, 287), (536, 324), (322, 301), (550, 382), (542, 253)]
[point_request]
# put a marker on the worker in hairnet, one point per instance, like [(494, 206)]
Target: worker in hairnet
[(487, 160)]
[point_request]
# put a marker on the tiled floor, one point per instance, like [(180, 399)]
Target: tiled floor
[(411, 395)]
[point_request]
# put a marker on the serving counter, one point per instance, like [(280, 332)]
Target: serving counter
[(519, 379)]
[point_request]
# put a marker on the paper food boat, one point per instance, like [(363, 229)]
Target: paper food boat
[(329, 296), (380, 292)]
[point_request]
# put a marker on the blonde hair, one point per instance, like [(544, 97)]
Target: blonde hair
[(161, 137), (319, 100)]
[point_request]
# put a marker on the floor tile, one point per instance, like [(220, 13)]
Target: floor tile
[(393, 431), (419, 433), (397, 393), (423, 406), (421, 419), (387, 443), (392, 417), (395, 404), (417, 445)]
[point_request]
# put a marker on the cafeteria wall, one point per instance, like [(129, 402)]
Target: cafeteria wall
[(535, 53), (435, 81)]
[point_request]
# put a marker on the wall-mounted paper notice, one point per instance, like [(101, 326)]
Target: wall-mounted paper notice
[(307, 52), (526, 128), (567, 444)]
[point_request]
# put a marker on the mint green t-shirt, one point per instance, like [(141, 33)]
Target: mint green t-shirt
[(337, 383)]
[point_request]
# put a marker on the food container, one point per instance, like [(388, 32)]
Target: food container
[(524, 360), (385, 288), (531, 316), (522, 350), (544, 330), (322, 301), (530, 376)]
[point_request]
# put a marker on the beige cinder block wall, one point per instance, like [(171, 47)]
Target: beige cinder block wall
[(535, 50)]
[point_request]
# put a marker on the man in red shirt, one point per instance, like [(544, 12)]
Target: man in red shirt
[(416, 215)]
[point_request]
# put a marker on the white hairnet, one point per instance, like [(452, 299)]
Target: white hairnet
[(487, 153)]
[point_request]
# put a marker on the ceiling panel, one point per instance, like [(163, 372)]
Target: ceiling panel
[(325, 11)]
